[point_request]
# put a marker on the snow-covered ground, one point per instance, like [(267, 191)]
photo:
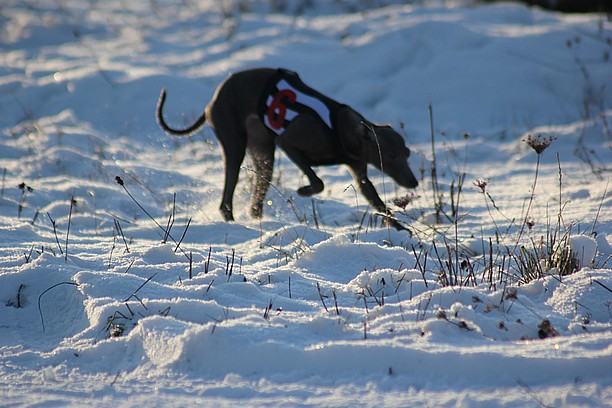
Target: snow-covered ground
[(317, 304)]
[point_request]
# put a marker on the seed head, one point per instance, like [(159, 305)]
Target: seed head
[(511, 294), (539, 142), (403, 202), (482, 184), (546, 329)]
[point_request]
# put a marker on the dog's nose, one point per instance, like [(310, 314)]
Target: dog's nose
[(409, 181)]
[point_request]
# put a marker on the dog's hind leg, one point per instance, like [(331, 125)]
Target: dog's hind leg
[(261, 149), (233, 143)]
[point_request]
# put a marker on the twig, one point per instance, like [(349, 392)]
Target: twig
[(19, 295), (321, 297), (36, 214), (603, 196), (170, 220), (25, 189), (120, 231), (178, 244), (356, 206), (68, 228), (424, 309), (399, 303), (28, 256), (209, 285), (418, 264), (335, 302), (229, 265), (115, 379), (110, 255), (365, 301), (122, 184), (267, 310), (560, 215), (434, 172), (314, 213), (207, 264), (130, 266), (140, 287), (55, 233), (602, 285), (42, 321)]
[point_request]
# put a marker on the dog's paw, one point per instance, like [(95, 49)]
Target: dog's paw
[(256, 211), (307, 191), (394, 223), (227, 213)]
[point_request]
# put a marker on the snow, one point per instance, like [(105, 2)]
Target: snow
[(317, 304)]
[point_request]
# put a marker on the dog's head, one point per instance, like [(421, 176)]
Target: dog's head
[(394, 155), (378, 145)]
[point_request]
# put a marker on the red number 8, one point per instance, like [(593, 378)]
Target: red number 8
[(278, 108)]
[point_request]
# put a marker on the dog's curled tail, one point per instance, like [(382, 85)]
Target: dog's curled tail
[(178, 132)]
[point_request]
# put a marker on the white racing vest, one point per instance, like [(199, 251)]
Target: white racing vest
[(286, 97)]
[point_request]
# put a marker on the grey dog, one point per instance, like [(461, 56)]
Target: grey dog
[(255, 110)]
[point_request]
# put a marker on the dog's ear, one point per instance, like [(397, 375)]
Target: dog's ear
[(353, 133)]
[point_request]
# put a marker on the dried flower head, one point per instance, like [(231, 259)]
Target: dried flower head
[(25, 188), (482, 184), (546, 329), (402, 202), (530, 223), (539, 142), (511, 294)]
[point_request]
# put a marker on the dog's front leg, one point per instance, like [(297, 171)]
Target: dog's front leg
[(365, 186), (316, 184), (360, 174)]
